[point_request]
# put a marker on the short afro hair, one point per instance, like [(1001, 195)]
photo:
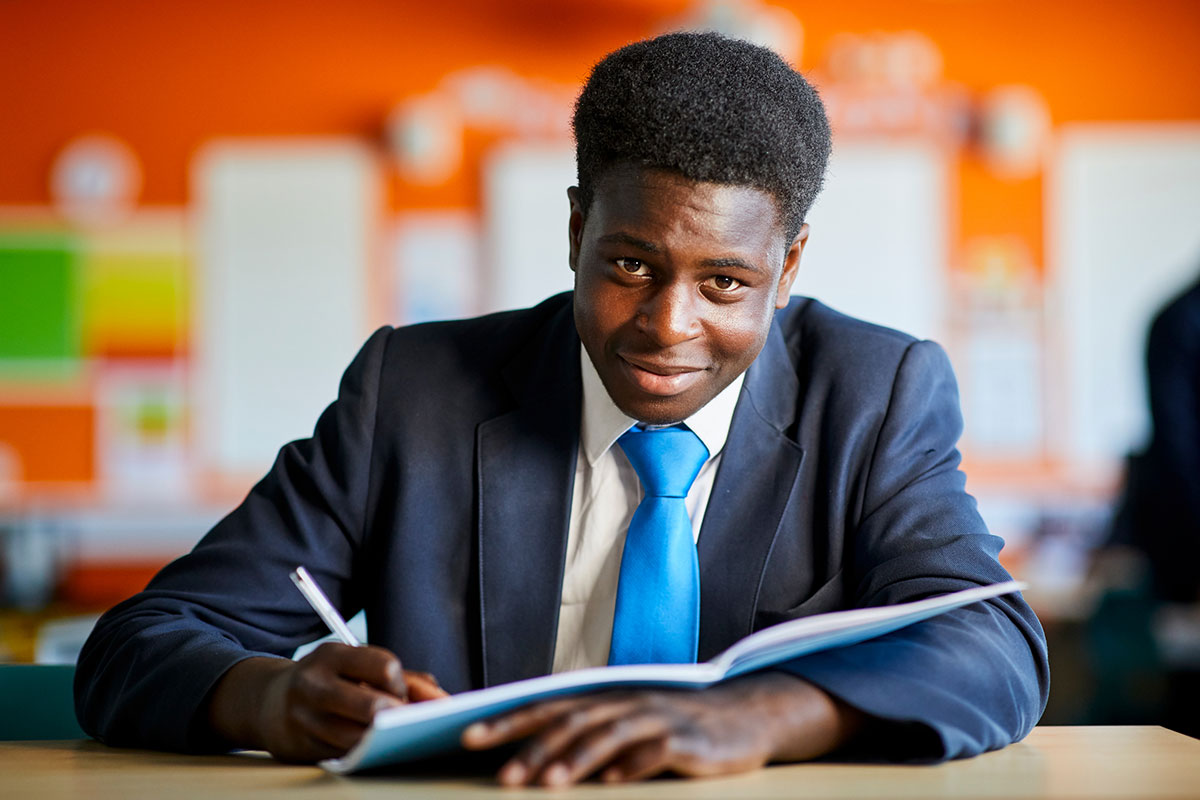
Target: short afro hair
[(710, 108)]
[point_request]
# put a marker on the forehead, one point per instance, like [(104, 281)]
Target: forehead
[(668, 204)]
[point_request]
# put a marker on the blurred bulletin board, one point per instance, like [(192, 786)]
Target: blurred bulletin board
[(433, 266), (525, 244), (1123, 208), (877, 248), (78, 303), (284, 249)]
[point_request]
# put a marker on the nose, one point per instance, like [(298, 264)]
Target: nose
[(670, 315)]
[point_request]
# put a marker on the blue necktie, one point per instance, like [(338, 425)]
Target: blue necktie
[(657, 616)]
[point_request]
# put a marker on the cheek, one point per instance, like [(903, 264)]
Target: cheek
[(597, 311), (737, 336)]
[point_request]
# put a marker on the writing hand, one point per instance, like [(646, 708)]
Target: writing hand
[(314, 708), (634, 735)]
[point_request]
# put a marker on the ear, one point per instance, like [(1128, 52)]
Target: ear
[(791, 267), (574, 226)]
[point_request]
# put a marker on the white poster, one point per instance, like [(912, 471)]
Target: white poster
[(1123, 209), (285, 234), (877, 247), (525, 224)]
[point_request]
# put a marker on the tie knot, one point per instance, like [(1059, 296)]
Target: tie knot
[(666, 459)]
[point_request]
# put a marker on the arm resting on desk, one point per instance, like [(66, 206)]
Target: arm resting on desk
[(149, 666), (977, 677)]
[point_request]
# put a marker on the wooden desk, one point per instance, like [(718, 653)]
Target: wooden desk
[(1076, 762)]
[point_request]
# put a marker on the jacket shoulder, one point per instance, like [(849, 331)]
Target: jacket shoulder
[(468, 367), (478, 340), (818, 335)]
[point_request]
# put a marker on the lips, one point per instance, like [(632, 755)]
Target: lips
[(660, 378)]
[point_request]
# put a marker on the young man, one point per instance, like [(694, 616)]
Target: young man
[(471, 489)]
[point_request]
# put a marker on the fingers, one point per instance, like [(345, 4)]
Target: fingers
[(553, 756), (631, 736), (303, 748), (320, 689), (683, 753), (572, 738), (380, 669), (639, 762), (374, 666), (579, 750), (335, 692), (423, 686), (516, 725), (317, 707), (366, 680), (332, 734)]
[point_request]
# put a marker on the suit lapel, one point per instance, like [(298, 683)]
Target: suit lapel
[(525, 469), (756, 480)]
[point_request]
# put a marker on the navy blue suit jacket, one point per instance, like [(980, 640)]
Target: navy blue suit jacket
[(435, 494)]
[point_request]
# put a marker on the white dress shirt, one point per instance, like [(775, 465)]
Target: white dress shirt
[(607, 492)]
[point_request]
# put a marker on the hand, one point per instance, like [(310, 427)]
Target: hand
[(314, 708), (628, 736)]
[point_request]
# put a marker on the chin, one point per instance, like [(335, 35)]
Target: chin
[(659, 410)]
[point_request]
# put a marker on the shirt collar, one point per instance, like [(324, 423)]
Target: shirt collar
[(603, 423)]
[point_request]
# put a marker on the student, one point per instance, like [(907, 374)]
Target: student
[(1159, 511), (471, 490)]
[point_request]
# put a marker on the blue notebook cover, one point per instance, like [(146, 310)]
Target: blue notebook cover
[(420, 730)]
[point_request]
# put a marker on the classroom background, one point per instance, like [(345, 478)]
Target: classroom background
[(205, 208)]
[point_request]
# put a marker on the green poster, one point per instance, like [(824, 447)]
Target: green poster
[(39, 298)]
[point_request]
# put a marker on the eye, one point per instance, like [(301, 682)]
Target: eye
[(632, 266), (723, 283)]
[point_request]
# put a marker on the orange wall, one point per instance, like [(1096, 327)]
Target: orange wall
[(167, 76), (56, 443)]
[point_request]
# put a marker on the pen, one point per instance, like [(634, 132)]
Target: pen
[(320, 603)]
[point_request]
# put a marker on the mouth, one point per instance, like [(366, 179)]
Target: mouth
[(660, 378)]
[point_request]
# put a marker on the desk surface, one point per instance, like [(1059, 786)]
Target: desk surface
[(1076, 762)]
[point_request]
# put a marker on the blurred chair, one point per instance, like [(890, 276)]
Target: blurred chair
[(37, 702)]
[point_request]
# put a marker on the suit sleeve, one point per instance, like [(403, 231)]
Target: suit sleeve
[(144, 674), (970, 680)]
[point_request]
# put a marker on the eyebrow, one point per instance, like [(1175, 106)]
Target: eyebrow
[(620, 237), (728, 263)]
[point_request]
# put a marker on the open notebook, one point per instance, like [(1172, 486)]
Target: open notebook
[(425, 729)]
